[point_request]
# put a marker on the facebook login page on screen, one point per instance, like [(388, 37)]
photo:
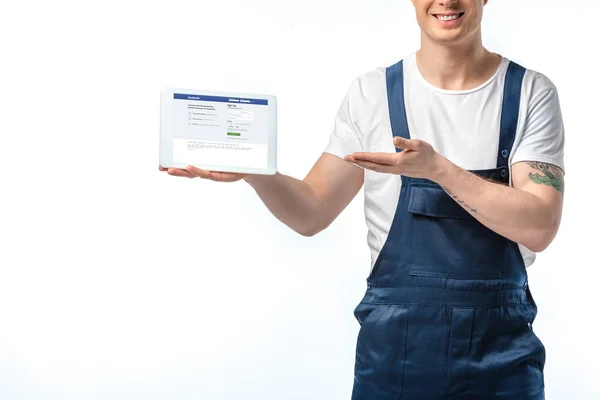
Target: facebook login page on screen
[(225, 131)]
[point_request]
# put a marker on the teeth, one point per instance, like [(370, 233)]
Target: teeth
[(447, 17)]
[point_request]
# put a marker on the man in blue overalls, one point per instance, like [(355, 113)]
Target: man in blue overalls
[(448, 311), (460, 152)]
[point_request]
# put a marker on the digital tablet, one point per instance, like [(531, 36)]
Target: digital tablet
[(218, 131)]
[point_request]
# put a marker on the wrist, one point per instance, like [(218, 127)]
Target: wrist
[(443, 168)]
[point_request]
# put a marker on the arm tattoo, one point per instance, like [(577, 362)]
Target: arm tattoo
[(459, 201), (550, 175)]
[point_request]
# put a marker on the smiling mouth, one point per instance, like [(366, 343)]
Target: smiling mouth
[(448, 17)]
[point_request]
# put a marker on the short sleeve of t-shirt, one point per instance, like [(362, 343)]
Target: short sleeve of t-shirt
[(543, 137), (346, 137)]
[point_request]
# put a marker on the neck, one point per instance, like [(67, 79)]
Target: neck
[(456, 67)]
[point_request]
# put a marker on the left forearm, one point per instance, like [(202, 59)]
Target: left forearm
[(515, 214)]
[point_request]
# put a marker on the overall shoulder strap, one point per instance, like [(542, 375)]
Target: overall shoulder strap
[(510, 111), (395, 92)]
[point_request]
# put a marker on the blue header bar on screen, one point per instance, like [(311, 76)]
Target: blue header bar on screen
[(235, 100)]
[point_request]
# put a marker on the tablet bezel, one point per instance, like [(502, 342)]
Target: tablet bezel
[(167, 135)]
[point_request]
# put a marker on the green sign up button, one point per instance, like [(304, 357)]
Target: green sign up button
[(233, 134)]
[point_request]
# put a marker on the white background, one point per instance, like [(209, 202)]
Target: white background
[(121, 282)]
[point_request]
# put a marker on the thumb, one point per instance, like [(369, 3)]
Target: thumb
[(402, 143)]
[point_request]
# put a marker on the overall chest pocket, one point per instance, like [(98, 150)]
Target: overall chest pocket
[(448, 242)]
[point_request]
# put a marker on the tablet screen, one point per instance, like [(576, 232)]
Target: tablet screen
[(214, 130)]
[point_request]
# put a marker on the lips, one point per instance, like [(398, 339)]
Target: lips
[(449, 16)]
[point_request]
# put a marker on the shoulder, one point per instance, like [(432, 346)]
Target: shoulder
[(371, 85), (537, 86), (366, 95), (368, 86)]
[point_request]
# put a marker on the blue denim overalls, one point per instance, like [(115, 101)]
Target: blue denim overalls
[(447, 312)]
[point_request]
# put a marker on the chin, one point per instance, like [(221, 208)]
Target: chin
[(447, 38)]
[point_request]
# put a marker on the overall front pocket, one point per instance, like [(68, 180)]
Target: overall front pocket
[(448, 242), (380, 351)]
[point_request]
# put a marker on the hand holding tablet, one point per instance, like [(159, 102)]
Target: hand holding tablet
[(193, 172), (231, 133)]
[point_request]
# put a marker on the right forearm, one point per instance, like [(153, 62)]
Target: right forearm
[(292, 201)]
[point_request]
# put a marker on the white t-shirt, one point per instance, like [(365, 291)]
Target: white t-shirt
[(462, 125)]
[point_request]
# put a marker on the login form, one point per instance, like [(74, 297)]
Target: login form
[(224, 131)]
